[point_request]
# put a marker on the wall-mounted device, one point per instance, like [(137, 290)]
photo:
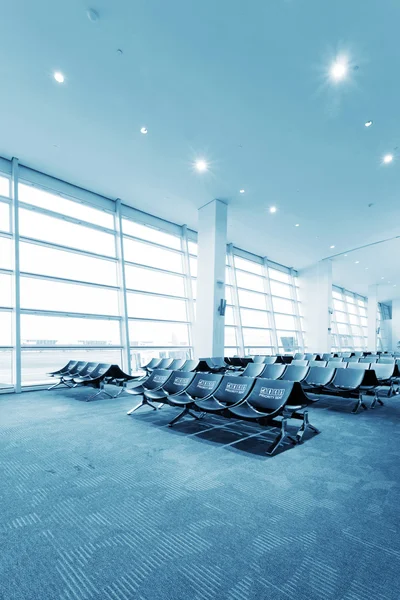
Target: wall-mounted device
[(222, 307)]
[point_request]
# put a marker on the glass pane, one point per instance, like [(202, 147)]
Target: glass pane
[(192, 246), (339, 305), (36, 363), (194, 288), (70, 208), (230, 336), (228, 294), (68, 331), (4, 186), (247, 265), (142, 306), (6, 371), (337, 295), (145, 254), (342, 328), (256, 337), (353, 319), (285, 322), (341, 316), (279, 275), (282, 306), (41, 294), (68, 265), (151, 234), (229, 320), (59, 231), (251, 282), (252, 300), (158, 334), (356, 331), (193, 266), (349, 298), (280, 289), (143, 357), (4, 217), (5, 253), (5, 290), (364, 321), (154, 281), (5, 328), (254, 318)]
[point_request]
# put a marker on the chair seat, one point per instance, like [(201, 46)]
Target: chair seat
[(136, 391), (245, 411), (210, 405), (180, 399), (156, 395)]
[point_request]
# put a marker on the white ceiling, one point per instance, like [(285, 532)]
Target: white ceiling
[(244, 86)]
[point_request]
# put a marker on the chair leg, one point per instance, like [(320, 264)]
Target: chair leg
[(360, 404), (304, 426), (102, 391), (279, 438), (61, 382), (376, 400), (184, 412)]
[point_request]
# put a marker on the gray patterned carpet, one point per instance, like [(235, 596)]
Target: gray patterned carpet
[(98, 505)]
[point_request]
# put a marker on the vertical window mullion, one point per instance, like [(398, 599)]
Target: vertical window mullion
[(235, 296), (122, 295), (270, 307), (16, 326), (296, 311), (188, 285)]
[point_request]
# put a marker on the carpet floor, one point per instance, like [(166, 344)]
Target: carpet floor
[(98, 505)]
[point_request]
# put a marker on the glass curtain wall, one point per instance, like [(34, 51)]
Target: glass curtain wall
[(75, 296), (349, 321), (263, 313)]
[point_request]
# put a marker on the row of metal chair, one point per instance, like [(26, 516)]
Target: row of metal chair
[(264, 401)]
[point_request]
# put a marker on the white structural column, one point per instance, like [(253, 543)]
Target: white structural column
[(372, 314), (16, 329), (395, 324), (316, 296), (209, 328)]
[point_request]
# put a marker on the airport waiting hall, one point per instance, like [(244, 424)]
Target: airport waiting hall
[(199, 301)]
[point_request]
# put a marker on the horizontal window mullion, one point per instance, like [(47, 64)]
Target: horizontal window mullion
[(5, 200), (54, 313), (157, 294), (257, 328), (160, 347), (70, 347), (140, 266), (61, 217), (6, 234), (6, 272), (6, 348), (250, 290), (141, 319), (260, 310), (72, 281), (67, 248), (161, 246)]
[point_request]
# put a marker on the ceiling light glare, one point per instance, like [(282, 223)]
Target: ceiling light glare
[(241, 191), (387, 158), (382, 278), (143, 130), (331, 247), (368, 123), (395, 285), (59, 77), (339, 69), (201, 165), (272, 209), (356, 262), (297, 225)]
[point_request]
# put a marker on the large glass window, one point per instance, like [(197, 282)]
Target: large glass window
[(348, 319)]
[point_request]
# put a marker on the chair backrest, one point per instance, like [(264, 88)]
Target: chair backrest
[(368, 359), (298, 356), (165, 363), (294, 373), (318, 376), (80, 365), (253, 370), (271, 395), (189, 365), (178, 381), (152, 364), (350, 379), (299, 363), (259, 359), (176, 364), (273, 371), (236, 361), (70, 365), (218, 361), (100, 370), (358, 365), (205, 365), (386, 360), (383, 370), (204, 384), (88, 369), (345, 354), (317, 363), (269, 360), (327, 356), (357, 353), (351, 359), (233, 389), (310, 356), (157, 378), (336, 364)]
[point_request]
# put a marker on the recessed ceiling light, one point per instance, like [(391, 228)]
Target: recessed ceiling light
[(356, 262), (272, 209), (331, 247), (59, 77), (143, 130), (345, 254), (382, 278), (297, 225), (368, 124), (388, 281), (241, 191), (388, 158), (395, 285), (339, 69), (366, 268), (201, 165)]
